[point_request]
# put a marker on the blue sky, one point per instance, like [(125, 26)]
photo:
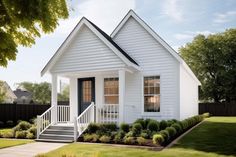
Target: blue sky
[(176, 21)]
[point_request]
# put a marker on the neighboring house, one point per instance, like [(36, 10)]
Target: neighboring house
[(9, 95), (129, 75), (23, 96)]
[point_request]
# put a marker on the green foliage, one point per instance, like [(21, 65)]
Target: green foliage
[(158, 139), (130, 134), (21, 134), (153, 125), (41, 91), (170, 122), (109, 127), (141, 141), (165, 135), (144, 135), (90, 137), (23, 21), (64, 96), (24, 125), (177, 127), (129, 140), (163, 124), (33, 130), (2, 88), (93, 128), (30, 135), (212, 58), (206, 115), (172, 131), (119, 136), (105, 139), (8, 134), (124, 127), (137, 128), (142, 122)]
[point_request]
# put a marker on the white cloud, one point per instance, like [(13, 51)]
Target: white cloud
[(225, 17), (106, 14), (172, 9), (188, 35)]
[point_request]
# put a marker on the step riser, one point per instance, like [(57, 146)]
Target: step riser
[(58, 132), (56, 137), (61, 128)]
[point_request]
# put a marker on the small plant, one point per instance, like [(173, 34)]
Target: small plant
[(119, 136), (165, 135), (109, 127), (8, 134), (158, 139), (33, 121), (163, 124), (23, 125), (124, 127), (129, 140), (142, 122), (141, 140), (91, 137), (137, 128), (146, 122), (130, 134), (92, 128), (105, 139), (10, 123), (172, 132), (30, 135), (170, 122), (206, 115), (33, 130), (177, 127), (153, 125), (144, 135), (21, 134)]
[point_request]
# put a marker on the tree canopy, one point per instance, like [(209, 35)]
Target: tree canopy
[(213, 59), (21, 21)]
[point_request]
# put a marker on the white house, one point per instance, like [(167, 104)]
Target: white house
[(6, 90), (131, 74)]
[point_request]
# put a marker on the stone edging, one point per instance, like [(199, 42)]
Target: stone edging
[(181, 136)]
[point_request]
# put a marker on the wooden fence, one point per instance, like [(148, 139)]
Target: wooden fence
[(218, 109)]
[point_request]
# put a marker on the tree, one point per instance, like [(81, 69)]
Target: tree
[(213, 59), (64, 96), (21, 21), (41, 91), (2, 92)]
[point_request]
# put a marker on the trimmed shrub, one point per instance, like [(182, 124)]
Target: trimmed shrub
[(124, 127), (158, 139), (129, 140), (144, 135), (165, 135), (141, 140), (119, 136), (184, 124), (170, 122), (109, 127), (172, 132), (206, 115), (130, 134), (163, 124), (90, 137), (8, 134), (137, 129), (33, 121), (23, 125), (10, 123), (1, 124), (30, 135), (21, 134), (153, 125), (105, 139), (177, 127), (33, 130), (92, 128), (146, 122), (142, 122)]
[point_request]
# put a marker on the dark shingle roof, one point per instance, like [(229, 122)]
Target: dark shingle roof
[(19, 93), (112, 42)]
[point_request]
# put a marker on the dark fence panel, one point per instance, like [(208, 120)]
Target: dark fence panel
[(17, 112), (218, 109)]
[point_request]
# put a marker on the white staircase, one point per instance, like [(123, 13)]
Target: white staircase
[(63, 130)]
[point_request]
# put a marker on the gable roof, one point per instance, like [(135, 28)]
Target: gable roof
[(131, 13), (101, 34)]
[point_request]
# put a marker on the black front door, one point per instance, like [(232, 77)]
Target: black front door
[(86, 93)]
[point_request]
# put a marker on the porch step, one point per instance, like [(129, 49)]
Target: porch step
[(58, 133), (56, 141)]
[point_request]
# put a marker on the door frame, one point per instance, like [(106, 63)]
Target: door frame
[(79, 89)]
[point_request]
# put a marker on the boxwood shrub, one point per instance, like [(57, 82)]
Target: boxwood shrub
[(124, 127), (177, 127), (165, 135), (172, 131), (163, 124), (136, 129), (105, 139), (142, 122), (153, 125), (158, 139)]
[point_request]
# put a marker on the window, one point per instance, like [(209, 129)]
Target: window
[(111, 91), (152, 94), (86, 87)]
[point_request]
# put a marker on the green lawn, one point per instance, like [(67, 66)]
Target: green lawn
[(12, 142), (215, 137)]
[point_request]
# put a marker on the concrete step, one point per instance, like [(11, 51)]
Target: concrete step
[(55, 127), (54, 141), (59, 132), (56, 137)]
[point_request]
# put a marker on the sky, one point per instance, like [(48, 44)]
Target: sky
[(176, 21)]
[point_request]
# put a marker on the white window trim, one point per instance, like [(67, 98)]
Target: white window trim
[(151, 114), (103, 92)]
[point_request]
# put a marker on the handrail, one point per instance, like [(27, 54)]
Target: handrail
[(45, 120)]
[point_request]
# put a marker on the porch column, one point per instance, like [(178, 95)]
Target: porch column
[(121, 95), (54, 98), (73, 99)]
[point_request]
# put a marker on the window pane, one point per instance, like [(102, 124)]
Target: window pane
[(111, 99), (86, 85), (152, 103), (156, 90)]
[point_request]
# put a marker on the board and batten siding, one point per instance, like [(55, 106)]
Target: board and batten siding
[(153, 59), (87, 52), (188, 95)]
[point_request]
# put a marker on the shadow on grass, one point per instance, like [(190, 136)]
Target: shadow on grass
[(215, 137)]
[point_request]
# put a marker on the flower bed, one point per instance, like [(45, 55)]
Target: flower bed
[(146, 132)]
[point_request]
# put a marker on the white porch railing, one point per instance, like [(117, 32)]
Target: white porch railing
[(108, 113), (45, 120), (63, 114), (85, 118)]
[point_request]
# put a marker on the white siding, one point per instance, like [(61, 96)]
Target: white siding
[(153, 59), (188, 95), (86, 52)]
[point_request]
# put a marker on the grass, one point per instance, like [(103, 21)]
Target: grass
[(214, 138), (4, 143)]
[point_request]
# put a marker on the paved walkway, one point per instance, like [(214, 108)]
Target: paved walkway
[(30, 149)]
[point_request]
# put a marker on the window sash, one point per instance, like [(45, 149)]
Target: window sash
[(111, 90)]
